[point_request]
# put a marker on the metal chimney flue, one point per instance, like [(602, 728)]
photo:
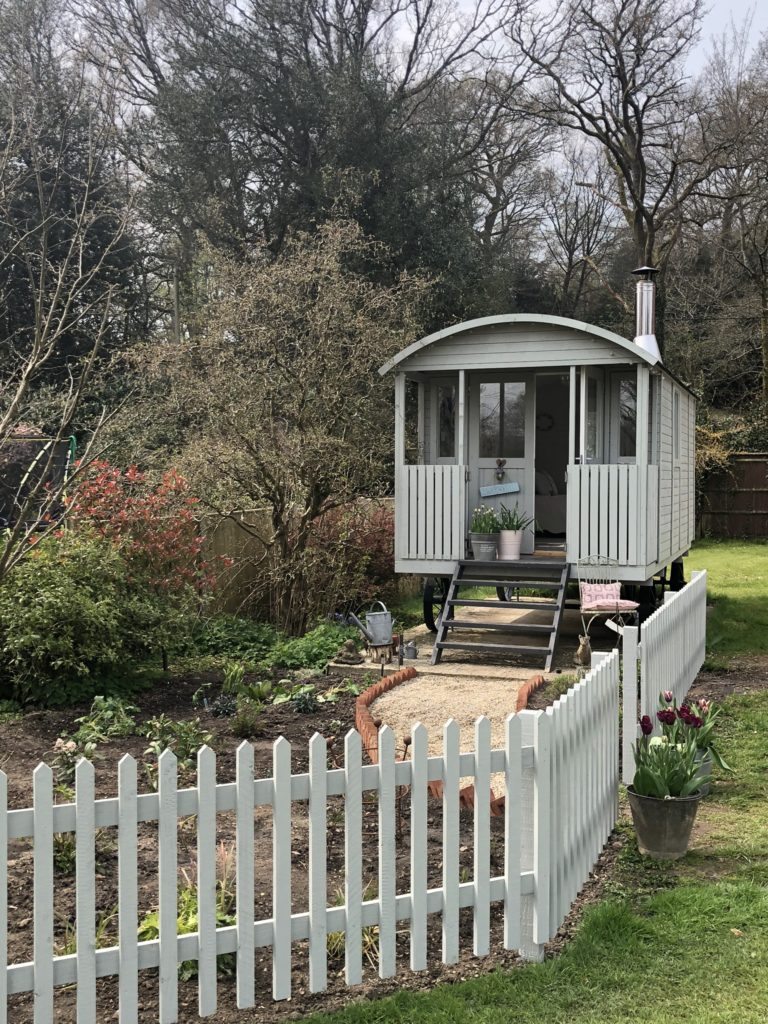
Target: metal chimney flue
[(645, 323)]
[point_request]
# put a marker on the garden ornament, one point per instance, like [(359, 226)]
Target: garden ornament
[(349, 654), (583, 656)]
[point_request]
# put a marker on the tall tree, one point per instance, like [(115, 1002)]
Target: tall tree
[(63, 253), (293, 417), (253, 120), (739, 204), (614, 71)]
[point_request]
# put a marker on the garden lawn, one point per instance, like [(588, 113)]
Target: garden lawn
[(738, 593)]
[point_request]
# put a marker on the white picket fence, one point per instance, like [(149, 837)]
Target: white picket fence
[(666, 654), (560, 768)]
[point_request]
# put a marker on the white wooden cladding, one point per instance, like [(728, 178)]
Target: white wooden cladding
[(613, 513), (430, 508), (667, 654), (560, 768)]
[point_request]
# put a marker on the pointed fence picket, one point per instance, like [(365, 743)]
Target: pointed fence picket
[(560, 772)]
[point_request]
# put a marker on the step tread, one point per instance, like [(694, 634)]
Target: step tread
[(542, 605), (553, 584), (546, 564), (511, 627), (523, 648)]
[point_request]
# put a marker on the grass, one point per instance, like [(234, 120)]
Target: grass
[(738, 592), (683, 943)]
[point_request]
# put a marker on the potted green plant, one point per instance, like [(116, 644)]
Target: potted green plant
[(665, 793), (512, 525), (697, 719), (484, 534)]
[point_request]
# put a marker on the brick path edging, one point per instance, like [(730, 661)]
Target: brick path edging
[(368, 727)]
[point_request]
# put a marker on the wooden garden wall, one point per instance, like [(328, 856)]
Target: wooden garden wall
[(734, 503)]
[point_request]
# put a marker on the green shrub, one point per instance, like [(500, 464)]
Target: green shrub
[(313, 650), (234, 673), (70, 620), (235, 638)]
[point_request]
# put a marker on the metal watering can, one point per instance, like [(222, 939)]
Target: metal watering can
[(378, 625)]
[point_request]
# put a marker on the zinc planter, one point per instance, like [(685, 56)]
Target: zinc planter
[(663, 827), (510, 543), (484, 546)]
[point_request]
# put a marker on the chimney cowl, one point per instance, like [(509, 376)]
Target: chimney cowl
[(645, 313)]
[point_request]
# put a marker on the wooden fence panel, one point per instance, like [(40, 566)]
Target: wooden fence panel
[(667, 654)]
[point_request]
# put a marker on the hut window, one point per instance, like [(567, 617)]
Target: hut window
[(446, 412), (676, 424), (502, 420), (654, 412), (592, 432), (626, 400)]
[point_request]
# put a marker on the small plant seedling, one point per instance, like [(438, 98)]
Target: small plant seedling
[(183, 738), (108, 718), (234, 674), (246, 723), (336, 941)]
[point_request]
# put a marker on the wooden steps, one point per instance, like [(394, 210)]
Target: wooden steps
[(527, 574)]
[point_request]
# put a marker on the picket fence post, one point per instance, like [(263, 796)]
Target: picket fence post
[(419, 847), (451, 842), (630, 665), (206, 882)]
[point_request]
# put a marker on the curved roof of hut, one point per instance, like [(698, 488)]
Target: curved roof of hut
[(522, 319)]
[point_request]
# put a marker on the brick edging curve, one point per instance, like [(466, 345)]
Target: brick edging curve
[(369, 731)]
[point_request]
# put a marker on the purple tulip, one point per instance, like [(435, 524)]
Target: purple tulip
[(646, 725), (666, 716), (668, 696)]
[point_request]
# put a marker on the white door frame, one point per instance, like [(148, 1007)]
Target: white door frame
[(523, 468)]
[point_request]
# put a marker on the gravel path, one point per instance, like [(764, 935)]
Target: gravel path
[(433, 699)]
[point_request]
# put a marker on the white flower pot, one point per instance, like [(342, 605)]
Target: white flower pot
[(510, 542)]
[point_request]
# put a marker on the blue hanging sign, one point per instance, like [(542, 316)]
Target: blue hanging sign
[(492, 489)]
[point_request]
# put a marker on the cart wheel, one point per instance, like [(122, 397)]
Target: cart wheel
[(505, 593), (435, 594)]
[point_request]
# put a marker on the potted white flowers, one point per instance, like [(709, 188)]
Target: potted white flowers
[(484, 534), (512, 525)]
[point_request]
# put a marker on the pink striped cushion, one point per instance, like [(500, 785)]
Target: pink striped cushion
[(603, 597)]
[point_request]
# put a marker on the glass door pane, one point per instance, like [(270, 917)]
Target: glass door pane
[(502, 420)]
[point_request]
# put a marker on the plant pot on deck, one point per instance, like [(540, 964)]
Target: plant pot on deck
[(510, 543), (484, 546), (663, 827)]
